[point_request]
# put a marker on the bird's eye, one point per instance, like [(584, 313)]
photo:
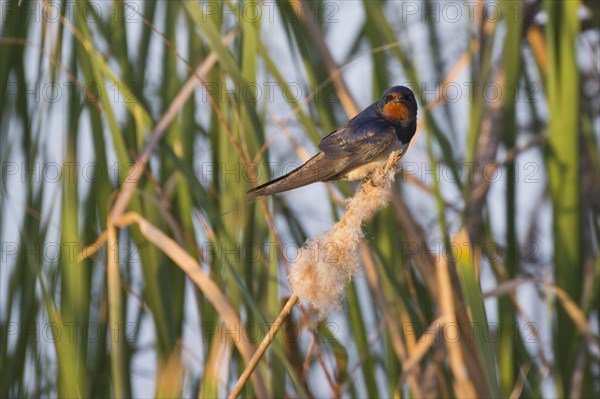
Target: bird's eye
[(389, 98)]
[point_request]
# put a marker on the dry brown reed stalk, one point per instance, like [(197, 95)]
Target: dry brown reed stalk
[(189, 266), (197, 78), (462, 385), (266, 342)]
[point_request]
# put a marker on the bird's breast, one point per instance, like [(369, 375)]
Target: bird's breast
[(363, 171)]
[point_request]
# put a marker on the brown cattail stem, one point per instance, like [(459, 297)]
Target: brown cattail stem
[(262, 348)]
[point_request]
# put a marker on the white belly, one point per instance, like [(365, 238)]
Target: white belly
[(365, 170)]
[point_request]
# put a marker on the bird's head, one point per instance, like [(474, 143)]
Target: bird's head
[(398, 105)]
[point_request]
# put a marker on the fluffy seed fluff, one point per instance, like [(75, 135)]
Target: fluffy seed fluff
[(325, 264)]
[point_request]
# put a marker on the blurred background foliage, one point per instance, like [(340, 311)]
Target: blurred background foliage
[(135, 129)]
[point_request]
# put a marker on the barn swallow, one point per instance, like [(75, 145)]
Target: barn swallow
[(357, 148)]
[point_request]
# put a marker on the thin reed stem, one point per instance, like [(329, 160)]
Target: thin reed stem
[(266, 342)]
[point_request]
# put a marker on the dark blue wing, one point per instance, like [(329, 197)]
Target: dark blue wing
[(360, 141)]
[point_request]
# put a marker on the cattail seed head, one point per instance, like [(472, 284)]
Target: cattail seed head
[(327, 263)]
